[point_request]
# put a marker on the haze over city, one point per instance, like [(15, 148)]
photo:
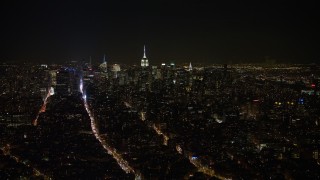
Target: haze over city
[(180, 31)]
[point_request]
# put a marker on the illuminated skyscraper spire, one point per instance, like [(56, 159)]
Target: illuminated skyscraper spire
[(105, 62), (144, 52), (104, 58), (144, 60), (190, 67), (90, 63), (104, 65)]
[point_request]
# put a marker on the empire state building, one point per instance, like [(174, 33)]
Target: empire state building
[(144, 60)]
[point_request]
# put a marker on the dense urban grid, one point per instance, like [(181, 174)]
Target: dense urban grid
[(84, 120)]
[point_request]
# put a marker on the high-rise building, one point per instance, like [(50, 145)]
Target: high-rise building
[(115, 70), (67, 82), (53, 77), (104, 65), (63, 82), (144, 60)]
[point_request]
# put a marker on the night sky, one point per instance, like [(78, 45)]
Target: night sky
[(49, 31)]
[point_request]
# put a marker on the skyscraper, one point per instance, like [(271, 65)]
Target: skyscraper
[(67, 81), (190, 67), (104, 65), (144, 60)]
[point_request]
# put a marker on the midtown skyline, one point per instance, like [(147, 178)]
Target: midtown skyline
[(98, 59), (203, 32)]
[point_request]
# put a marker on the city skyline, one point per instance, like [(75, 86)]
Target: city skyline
[(245, 121), (201, 32)]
